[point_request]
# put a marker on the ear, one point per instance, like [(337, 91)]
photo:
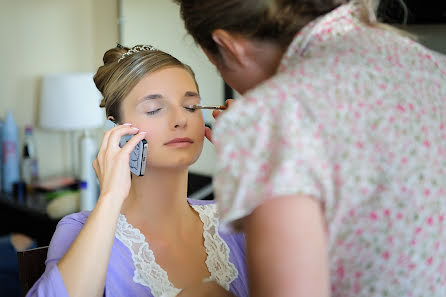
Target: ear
[(111, 118), (232, 46)]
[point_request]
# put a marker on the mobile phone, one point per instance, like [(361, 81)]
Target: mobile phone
[(138, 156)]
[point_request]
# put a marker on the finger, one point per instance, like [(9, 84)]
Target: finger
[(208, 133), (106, 138), (130, 145), (229, 102), (95, 165), (117, 133), (216, 113), (104, 142)]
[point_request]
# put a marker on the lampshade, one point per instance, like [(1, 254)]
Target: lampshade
[(70, 101)]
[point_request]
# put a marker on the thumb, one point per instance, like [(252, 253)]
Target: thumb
[(208, 133)]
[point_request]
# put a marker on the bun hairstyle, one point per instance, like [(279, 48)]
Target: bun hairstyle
[(122, 70)]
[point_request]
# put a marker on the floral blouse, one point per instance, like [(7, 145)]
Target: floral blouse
[(355, 117)]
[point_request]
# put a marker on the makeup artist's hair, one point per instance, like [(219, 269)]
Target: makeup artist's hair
[(266, 20), (116, 78)]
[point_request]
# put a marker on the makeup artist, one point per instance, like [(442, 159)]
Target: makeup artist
[(333, 160)]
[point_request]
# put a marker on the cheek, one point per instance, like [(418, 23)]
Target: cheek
[(203, 130), (152, 131), (198, 125), (152, 135)]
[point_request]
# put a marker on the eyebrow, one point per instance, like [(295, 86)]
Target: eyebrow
[(150, 97), (159, 96), (191, 94)]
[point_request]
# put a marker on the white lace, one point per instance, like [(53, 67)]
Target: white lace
[(148, 273)]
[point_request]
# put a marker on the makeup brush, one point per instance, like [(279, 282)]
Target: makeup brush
[(198, 106)]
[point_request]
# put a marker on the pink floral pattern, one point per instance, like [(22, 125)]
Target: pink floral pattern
[(356, 117)]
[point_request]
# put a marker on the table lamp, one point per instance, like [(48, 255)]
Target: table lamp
[(70, 102)]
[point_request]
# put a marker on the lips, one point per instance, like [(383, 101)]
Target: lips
[(180, 140)]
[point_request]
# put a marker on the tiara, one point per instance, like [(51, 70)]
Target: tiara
[(136, 49)]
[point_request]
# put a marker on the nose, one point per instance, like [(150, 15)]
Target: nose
[(178, 118)]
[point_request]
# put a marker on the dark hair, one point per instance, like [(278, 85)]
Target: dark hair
[(120, 74), (271, 20)]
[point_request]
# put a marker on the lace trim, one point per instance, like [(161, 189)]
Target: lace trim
[(148, 273), (221, 269)]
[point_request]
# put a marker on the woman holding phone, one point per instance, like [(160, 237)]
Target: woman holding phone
[(144, 237)]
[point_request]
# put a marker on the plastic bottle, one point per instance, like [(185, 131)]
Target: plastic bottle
[(10, 157), (88, 184), (30, 172), (1, 155)]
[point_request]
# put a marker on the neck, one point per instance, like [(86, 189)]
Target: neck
[(157, 203), (261, 61), (267, 56)]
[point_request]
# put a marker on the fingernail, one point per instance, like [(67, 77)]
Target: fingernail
[(127, 124), (135, 128), (142, 132)]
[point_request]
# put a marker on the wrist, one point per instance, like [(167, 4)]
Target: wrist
[(110, 202)]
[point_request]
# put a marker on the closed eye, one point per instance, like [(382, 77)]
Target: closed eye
[(191, 109), (153, 111)]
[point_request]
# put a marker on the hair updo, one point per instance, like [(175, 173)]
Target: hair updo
[(117, 77)]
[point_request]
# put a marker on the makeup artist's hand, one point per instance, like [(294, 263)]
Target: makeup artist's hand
[(112, 163), (205, 289), (216, 114)]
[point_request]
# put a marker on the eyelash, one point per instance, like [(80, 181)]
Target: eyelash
[(155, 111)]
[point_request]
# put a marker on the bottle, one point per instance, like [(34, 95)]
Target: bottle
[(10, 157), (88, 184), (1, 155), (29, 160)]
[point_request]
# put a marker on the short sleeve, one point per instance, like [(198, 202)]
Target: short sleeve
[(268, 144), (51, 282)]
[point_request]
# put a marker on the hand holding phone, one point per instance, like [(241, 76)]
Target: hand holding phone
[(138, 156)]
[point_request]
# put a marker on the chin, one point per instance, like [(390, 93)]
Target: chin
[(174, 162), (174, 158)]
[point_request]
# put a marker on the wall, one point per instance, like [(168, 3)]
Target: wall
[(49, 36), (433, 36)]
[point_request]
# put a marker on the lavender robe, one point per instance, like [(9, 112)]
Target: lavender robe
[(119, 280)]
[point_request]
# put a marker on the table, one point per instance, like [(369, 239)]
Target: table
[(29, 218)]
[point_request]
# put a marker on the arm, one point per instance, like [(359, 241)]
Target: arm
[(287, 249), (78, 254), (216, 114), (83, 268)]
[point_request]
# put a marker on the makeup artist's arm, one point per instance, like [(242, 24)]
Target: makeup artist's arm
[(287, 248), (83, 268), (216, 114)]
